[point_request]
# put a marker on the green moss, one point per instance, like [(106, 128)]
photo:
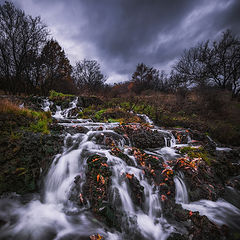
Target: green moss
[(14, 135), (42, 119), (56, 95), (112, 120), (40, 126), (98, 115), (126, 105), (197, 153), (88, 112)]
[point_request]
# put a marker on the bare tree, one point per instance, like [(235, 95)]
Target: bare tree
[(87, 75), (222, 60), (145, 78), (217, 64), (21, 38), (191, 66)]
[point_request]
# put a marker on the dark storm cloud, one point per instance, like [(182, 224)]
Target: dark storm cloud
[(122, 33)]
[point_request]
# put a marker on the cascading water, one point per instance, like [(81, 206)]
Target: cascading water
[(220, 212), (181, 189), (46, 105), (61, 114), (53, 215)]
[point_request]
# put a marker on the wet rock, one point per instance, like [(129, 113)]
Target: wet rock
[(142, 136), (232, 194), (203, 140), (74, 112), (109, 139), (181, 136), (205, 174), (147, 139), (76, 194), (224, 168), (202, 228), (233, 155), (202, 184), (193, 225), (177, 236), (118, 153), (25, 160), (76, 129), (56, 128), (137, 191), (97, 190)]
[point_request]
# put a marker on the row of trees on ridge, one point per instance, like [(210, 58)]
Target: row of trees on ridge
[(32, 62)]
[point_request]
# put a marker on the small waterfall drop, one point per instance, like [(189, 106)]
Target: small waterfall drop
[(181, 189)]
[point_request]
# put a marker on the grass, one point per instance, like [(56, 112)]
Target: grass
[(40, 126), (99, 115), (7, 106), (113, 120), (36, 121)]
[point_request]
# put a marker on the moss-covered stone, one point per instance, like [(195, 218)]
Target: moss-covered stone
[(25, 148)]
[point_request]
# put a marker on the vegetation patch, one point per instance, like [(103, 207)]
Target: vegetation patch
[(53, 95), (197, 153), (23, 151)]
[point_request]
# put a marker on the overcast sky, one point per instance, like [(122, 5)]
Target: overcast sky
[(122, 33)]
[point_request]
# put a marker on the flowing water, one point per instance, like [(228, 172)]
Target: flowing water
[(52, 215)]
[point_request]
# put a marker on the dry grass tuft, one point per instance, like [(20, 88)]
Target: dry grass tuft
[(7, 106)]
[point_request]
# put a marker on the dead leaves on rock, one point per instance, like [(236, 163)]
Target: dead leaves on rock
[(101, 178), (98, 178), (96, 237), (187, 163)]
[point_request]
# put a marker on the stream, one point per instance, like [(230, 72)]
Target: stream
[(52, 214)]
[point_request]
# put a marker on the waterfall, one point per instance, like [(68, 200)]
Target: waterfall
[(54, 215), (181, 189), (46, 105), (220, 212)]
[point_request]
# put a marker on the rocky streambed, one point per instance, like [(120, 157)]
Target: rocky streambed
[(121, 181)]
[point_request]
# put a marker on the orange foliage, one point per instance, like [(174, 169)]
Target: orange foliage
[(129, 176)]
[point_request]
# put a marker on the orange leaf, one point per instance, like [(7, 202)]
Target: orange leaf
[(99, 237), (168, 193), (190, 213), (163, 197), (102, 180), (163, 171), (95, 159), (104, 164), (98, 176), (81, 197), (129, 176)]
